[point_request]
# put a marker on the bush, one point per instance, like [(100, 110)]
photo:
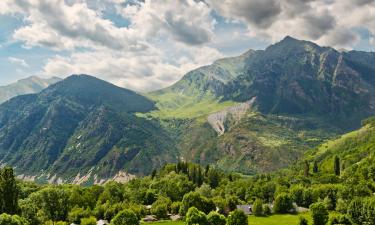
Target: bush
[(215, 218), (76, 214), (237, 217), (267, 210), (160, 211), (355, 211), (175, 207), (194, 216), (303, 221), (194, 199), (88, 221), (6, 219), (339, 219), (258, 208), (125, 217), (283, 203), (341, 206), (319, 213)]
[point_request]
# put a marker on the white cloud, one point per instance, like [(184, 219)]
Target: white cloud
[(141, 72), (163, 41), (325, 22), (372, 40), (17, 61)]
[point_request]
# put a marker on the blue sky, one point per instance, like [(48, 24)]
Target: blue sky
[(146, 45)]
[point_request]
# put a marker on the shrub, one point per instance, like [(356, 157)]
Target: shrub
[(303, 221), (215, 218), (6, 219), (237, 217), (125, 217), (283, 203), (175, 207), (258, 208), (267, 210), (319, 213), (88, 221), (160, 211), (194, 216)]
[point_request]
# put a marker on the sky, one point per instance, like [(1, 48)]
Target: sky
[(146, 45)]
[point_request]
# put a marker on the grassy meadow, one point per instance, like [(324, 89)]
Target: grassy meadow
[(282, 219)]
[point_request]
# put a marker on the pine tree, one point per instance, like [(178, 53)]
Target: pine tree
[(315, 168), (337, 166), (153, 174), (8, 191), (307, 168)]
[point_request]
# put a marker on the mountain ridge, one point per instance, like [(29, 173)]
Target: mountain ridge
[(29, 85), (301, 95), (78, 125)]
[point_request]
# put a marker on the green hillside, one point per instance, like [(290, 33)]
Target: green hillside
[(81, 127), (25, 86), (356, 151)]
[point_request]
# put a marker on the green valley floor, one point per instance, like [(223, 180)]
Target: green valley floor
[(284, 219)]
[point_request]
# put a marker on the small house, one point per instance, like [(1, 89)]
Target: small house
[(247, 209)]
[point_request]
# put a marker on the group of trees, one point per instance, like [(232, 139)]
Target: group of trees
[(200, 195)]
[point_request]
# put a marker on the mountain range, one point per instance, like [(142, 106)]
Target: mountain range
[(28, 85), (257, 112)]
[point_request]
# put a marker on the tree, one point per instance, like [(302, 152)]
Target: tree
[(337, 166), (160, 210), (53, 202), (267, 210), (195, 199), (369, 211), (307, 168), (355, 211), (125, 217), (175, 207), (88, 221), (76, 214), (303, 221), (8, 191), (237, 217), (194, 216), (6, 219), (215, 218), (283, 203), (315, 167), (258, 208), (297, 194), (319, 213)]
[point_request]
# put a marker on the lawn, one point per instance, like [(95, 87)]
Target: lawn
[(286, 219), (165, 223)]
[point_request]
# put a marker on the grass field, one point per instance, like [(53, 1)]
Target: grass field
[(288, 219)]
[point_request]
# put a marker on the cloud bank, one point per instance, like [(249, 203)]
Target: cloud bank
[(160, 40)]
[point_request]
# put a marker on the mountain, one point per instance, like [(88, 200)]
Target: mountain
[(254, 113), (29, 85), (290, 77), (81, 129), (301, 95)]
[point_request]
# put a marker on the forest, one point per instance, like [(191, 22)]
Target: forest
[(197, 195)]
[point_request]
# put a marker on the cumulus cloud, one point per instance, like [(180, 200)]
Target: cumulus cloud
[(17, 61), (188, 21), (326, 22), (164, 39), (159, 40), (142, 72)]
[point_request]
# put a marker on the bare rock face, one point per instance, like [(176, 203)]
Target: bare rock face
[(235, 113)]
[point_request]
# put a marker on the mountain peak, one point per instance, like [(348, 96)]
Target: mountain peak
[(88, 90)]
